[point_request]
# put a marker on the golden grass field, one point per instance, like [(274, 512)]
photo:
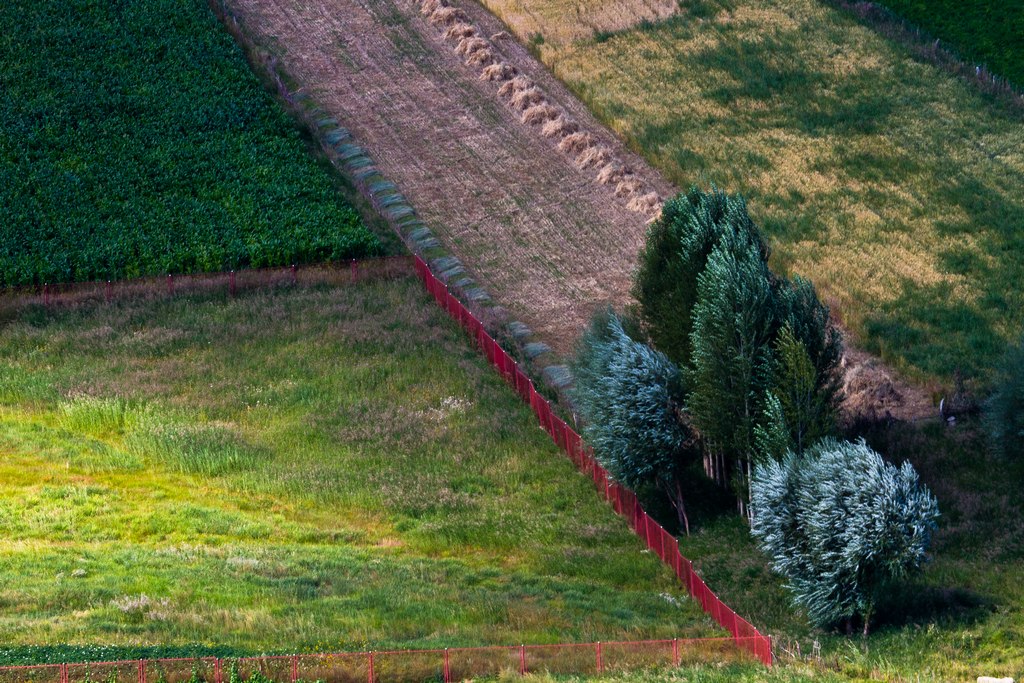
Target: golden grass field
[(894, 186)]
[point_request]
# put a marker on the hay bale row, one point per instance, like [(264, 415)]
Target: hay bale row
[(446, 16), (480, 58), (628, 186), (468, 46), (539, 113), (574, 143), (517, 84), (524, 99), (428, 7), (644, 203), (559, 127), (612, 173)]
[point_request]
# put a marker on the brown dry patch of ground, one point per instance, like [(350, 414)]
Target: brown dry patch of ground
[(534, 229)]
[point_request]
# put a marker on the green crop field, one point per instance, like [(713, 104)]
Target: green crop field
[(297, 469), (989, 32), (895, 187), (135, 140)]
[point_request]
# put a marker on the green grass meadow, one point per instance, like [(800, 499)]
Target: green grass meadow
[(135, 140), (308, 469), (894, 186)]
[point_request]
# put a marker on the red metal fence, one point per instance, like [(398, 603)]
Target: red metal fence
[(394, 666), (664, 544)]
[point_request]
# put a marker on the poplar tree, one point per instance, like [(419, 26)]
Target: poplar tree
[(731, 355)]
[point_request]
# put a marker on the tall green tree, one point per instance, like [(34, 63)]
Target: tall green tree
[(675, 252), (631, 398), (842, 526), (731, 358), (806, 399)]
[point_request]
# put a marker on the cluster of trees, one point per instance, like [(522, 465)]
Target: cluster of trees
[(727, 364)]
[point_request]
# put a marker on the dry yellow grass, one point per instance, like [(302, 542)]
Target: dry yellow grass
[(895, 187)]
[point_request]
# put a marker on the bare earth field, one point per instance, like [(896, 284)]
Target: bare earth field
[(535, 230)]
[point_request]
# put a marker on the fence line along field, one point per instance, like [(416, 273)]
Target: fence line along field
[(134, 140), (298, 468), (894, 186)]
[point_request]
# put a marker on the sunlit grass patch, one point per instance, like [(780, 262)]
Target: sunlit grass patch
[(297, 469)]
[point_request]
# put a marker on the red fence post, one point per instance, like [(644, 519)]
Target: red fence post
[(170, 284), (218, 670), (141, 666), (46, 294), (355, 272), (295, 658), (295, 274), (106, 291), (370, 668), (231, 284), (600, 664), (522, 660), (675, 652), (447, 669)]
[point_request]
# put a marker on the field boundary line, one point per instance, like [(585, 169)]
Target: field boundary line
[(328, 272)]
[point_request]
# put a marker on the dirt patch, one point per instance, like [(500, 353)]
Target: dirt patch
[(539, 233)]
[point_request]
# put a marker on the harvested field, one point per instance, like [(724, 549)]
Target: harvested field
[(542, 235)]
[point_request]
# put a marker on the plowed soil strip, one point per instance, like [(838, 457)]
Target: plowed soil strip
[(547, 241)]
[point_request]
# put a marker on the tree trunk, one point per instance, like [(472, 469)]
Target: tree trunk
[(681, 508)]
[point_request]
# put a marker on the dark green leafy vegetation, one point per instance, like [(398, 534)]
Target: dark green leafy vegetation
[(842, 527), (1004, 411), (989, 32), (758, 351), (296, 469), (135, 140)]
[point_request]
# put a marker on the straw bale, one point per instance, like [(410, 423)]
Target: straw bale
[(499, 71), (525, 99), (560, 126), (539, 113), (574, 143)]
